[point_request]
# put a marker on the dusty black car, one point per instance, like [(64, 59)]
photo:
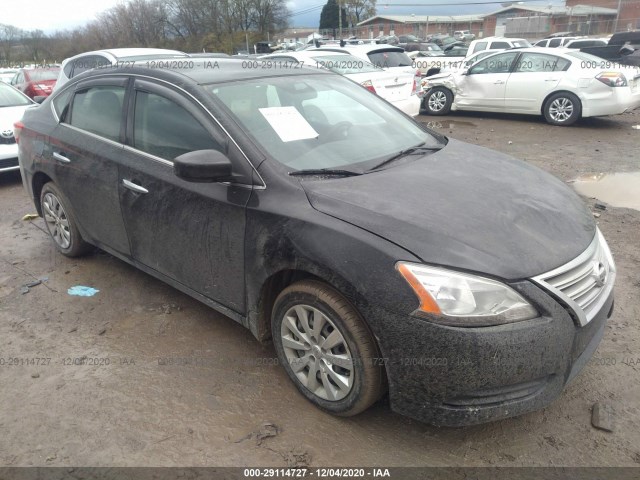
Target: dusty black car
[(378, 255)]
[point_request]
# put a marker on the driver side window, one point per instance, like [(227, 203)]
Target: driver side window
[(495, 64)]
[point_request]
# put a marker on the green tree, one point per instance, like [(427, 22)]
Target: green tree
[(329, 19)]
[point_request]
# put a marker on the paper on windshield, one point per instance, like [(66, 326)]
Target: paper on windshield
[(288, 123)]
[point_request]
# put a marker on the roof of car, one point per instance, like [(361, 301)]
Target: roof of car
[(130, 52), (364, 48), (208, 70)]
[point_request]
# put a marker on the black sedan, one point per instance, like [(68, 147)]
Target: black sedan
[(375, 253)]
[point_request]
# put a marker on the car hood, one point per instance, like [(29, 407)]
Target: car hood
[(465, 207)]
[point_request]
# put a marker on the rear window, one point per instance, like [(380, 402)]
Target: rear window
[(389, 58), (500, 45), (521, 44)]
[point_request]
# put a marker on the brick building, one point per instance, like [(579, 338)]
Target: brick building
[(629, 11), (584, 17)]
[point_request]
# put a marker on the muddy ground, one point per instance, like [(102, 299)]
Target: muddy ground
[(130, 409)]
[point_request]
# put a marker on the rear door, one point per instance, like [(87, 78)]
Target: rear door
[(193, 233), (85, 149), (534, 76)]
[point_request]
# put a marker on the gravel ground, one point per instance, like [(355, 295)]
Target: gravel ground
[(125, 405)]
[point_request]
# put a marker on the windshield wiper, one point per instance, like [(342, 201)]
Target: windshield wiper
[(324, 171), (403, 153)]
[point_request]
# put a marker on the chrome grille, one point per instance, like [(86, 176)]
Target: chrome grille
[(584, 283)]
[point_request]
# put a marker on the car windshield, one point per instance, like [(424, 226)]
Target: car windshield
[(10, 97), (389, 58), (320, 121), (40, 74), (344, 64)]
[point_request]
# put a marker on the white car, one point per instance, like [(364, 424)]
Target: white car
[(398, 88), (117, 57), (554, 42), (562, 86), (7, 74), (497, 43), (13, 103), (384, 56), (585, 43)]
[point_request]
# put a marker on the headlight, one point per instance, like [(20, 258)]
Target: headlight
[(464, 300)]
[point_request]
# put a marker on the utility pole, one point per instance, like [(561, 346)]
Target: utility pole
[(615, 25), (340, 19)]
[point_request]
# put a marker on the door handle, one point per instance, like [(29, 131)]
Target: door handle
[(499, 82), (61, 158), (134, 187), (551, 80)]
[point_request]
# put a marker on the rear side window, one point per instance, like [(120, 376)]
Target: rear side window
[(539, 62), (98, 110), (61, 103), (555, 42), (387, 59), (500, 45), (165, 129), (89, 62)]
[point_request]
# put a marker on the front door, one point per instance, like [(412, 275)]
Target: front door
[(483, 87), (191, 232)]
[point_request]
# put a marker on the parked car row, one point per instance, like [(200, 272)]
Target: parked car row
[(563, 86), (316, 214)]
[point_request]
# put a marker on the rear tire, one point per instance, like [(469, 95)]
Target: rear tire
[(438, 101), (562, 109), (326, 348), (61, 224)]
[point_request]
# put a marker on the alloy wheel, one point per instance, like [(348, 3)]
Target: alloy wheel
[(561, 109), (437, 101), (317, 352), (56, 220)]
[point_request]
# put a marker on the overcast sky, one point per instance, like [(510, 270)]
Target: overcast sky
[(52, 15)]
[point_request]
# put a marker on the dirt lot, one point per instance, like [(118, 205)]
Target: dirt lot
[(133, 408)]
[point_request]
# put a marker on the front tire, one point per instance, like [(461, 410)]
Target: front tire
[(61, 224), (562, 109), (326, 348), (438, 101)]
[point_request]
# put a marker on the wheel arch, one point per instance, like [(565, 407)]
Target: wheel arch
[(546, 99), (261, 305), (38, 181)]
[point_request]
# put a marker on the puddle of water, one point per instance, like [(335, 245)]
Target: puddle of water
[(449, 124), (616, 189)]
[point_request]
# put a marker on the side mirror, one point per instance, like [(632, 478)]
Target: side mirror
[(39, 98), (203, 166), (465, 71)]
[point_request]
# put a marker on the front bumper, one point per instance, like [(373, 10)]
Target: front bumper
[(462, 376)]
